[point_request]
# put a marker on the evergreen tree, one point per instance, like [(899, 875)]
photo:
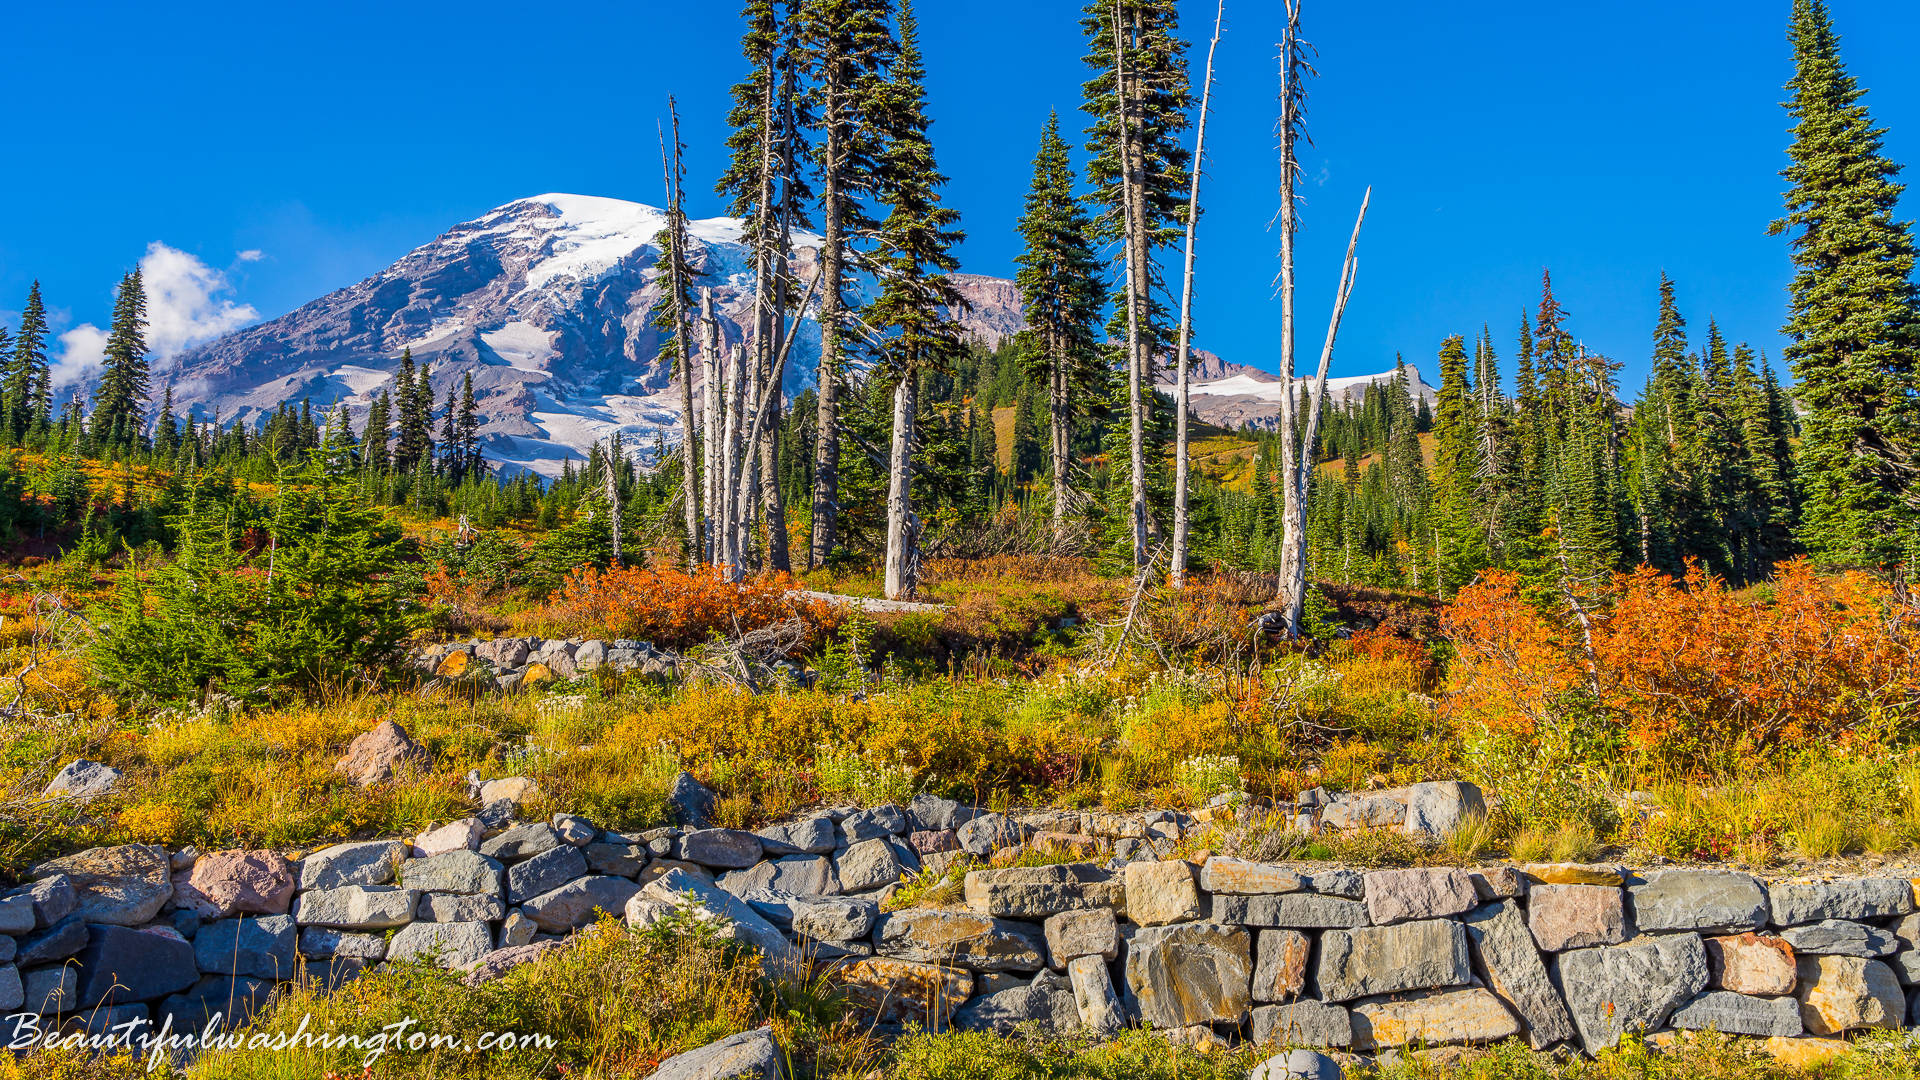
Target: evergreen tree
[(1854, 328), (373, 447), (413, 402), (1138, 98), (472, 463), (1061, 301), (28, 401), (916, 299), (1461, 551), (119, 405), (850, 46)]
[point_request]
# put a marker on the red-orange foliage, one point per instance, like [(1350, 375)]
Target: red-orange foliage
[(1691, 671), (673, 609)]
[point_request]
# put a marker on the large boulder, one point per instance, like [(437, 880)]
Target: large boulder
[(1038, 892), (450, 945), (82, 779), (1624, 988), (1190, 973), (1566, 917), (961, 938), (1709, 901), (876, 823), (1798, 903), (1842, 993), (837, 919), (372, 863), (1436, 809), (1302, 911), (691, 802), (1388, 959), (458, 871), (357, 907), (930, 813), (1367, 812), (1438, 1018), (1739, 1014), (261, 947), (459, 907), (325, 943), (893, 991), (575, 903), (620, 860), (1409, 895), (249, 882), (1048, 1002), (1750, 964), (379, 755), (750, 1055), (1162, 893), (116, 886), (1504, 946), (120, 965)]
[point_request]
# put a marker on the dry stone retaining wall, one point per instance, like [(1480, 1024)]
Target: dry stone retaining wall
[(1217, 950)]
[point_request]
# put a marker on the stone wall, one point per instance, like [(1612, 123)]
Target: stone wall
[(1217, 949)]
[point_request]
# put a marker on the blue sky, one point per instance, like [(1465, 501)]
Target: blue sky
[(1606, 141)]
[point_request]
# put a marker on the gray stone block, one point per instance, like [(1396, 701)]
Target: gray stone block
[(1836, 937), (1709, 901), (1388, 959), (1303, 911), (1614, 990), (1739, 1014), (454, 872), (371, 863), (1798, 903), (1504, 946), (1302, 1022), (262, 947), (544, 872)]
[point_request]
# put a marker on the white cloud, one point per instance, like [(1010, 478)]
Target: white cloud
[(81, 350), (182, 309), (250, 255)]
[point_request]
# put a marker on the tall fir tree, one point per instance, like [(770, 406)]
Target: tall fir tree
[(1460, 549), (119, 410), (1061, 299), (28, 401), (1854, 331), (917, 300), (374, 455), (850, 46), (1138, 98)]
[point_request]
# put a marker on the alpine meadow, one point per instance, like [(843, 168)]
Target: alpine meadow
[(907, 596)]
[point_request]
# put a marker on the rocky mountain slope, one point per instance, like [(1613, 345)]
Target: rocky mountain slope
[(545, 302)]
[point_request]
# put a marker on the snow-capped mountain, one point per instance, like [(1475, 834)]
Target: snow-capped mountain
[(1235, 395), (545, 302)]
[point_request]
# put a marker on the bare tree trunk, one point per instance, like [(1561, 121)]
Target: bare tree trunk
[(774, 499), (826, 438), (676, 280), (900, 583), (730, 561), (1182, 466), (1134, 241), (716, 463), (1062, 435), (614, 454)]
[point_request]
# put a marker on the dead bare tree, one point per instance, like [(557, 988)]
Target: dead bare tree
[(1298, 434), (677, 282), (1177, 565)]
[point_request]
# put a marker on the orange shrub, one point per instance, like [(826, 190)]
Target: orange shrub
[(673, 609), (1691, 673)]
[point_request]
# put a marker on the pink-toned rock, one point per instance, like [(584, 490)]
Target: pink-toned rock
[(375, 756), (1566, 917), (254, 882), (192, 899), (1750, 964), (462, 835), (934, 841)]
